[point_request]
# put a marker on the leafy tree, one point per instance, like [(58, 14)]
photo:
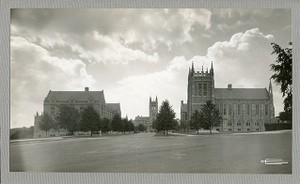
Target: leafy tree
[(131, 126), (105, 125), (142, 127), (46, 123), (195, 122), (285, 116), (21, 133), (126, 125), (283, 74), (116, 123), (210, 116), (165, 118), (89, 120), (68, 118)]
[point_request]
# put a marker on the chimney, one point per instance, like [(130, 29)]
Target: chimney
[(229, 86), (86, 89)]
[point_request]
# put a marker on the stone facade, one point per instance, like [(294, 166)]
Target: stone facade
[(79, 100), (242, 109)]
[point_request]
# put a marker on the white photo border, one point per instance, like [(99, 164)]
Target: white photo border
[(136, 178)]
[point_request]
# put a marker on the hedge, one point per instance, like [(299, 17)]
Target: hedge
[(278, 126)]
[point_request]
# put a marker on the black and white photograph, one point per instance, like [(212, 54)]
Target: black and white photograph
[(151, 90)]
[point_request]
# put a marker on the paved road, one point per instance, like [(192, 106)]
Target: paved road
[(145, 152)]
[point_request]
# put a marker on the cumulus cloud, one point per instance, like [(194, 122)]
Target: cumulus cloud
[(133, 54), (34, 72), (243, 61)]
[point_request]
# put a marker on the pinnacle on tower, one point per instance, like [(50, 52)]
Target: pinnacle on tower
[(156, 99), (212, 68), (270, 87), (193, 70)]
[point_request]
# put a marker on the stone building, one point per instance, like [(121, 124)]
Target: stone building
[(148, 120), (78, 99), (242, 109)]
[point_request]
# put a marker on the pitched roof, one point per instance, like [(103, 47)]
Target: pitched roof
[(142, 118), (77, 95), (242, 93)]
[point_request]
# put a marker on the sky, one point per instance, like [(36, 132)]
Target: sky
[(134, 54)]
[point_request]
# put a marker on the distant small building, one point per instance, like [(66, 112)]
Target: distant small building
[(77, 99)]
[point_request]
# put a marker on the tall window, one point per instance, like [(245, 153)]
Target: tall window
[(257, 109), (248, 109), (200, 89), (230, 109), (224, 109), (204, 89), (266, 109), (239, 109)]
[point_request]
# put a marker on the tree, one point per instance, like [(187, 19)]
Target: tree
[(131, 126), (195, 122), (68, 118), (210, 116), (127, 125), (283, 74), (142, 127), (285, 116), (89, 120), (165, 118), (116, 123), (105, 125), (46, 123)]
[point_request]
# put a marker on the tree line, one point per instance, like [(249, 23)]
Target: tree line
[(207, 118), (72, 120)]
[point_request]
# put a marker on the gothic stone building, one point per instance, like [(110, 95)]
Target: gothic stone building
[(78, 99), (242, 109), (148, 120)]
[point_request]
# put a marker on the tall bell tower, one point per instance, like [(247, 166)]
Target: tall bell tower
[(200, 88), (153, 110)]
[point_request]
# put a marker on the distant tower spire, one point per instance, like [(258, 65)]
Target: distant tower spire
[(156, 99), (193, 69), (150, 99), (270, 89), (212, 68)]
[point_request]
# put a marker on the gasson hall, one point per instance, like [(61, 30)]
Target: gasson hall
[(242, 109)]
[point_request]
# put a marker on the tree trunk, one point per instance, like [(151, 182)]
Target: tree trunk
[(91, 133), (46, 134), (210, 130)]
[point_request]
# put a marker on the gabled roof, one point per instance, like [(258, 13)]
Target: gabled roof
[(76, 95), (142, 118), (242, 93)]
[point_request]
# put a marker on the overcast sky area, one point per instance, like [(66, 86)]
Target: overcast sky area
[(133, 54)]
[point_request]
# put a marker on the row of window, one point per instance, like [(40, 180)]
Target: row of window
[(201, 89), (240, 124), (239, 129), (242, 109)]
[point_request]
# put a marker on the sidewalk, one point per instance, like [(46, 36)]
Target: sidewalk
[(49, 139)]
